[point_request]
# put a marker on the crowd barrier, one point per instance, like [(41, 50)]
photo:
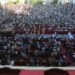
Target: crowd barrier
[(16, 70)]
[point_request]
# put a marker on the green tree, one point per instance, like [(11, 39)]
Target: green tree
[(10, 2), (40, 1), (17, 1), (55, 2), (36, 1), (33, 2)]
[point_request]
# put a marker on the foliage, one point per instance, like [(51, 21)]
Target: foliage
[(40, 1), (33, 2), (17, 1), (55, 2), (10, 2)]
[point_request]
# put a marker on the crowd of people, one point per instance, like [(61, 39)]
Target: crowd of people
[(22, 50), (17, 48), (60, 15), (44, 29)]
